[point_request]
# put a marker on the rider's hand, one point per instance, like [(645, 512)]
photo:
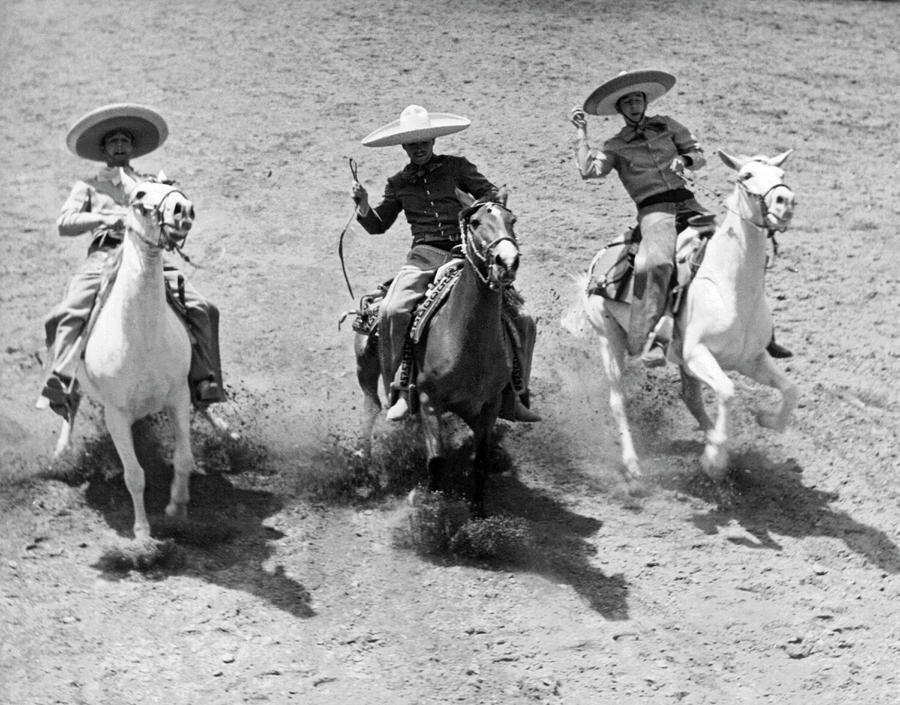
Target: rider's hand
[(578, 118), (677, 166), (115, 221), (361, 196)]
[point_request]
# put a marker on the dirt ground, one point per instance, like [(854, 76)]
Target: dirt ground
[(782, 586)]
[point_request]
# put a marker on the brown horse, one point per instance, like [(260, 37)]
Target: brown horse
[(465, 360)]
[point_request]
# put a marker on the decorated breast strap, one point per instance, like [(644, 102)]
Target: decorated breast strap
[(437, 293)]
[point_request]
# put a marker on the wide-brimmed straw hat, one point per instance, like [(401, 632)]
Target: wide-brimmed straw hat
[(651, 82), (145, 125), (416, 125)]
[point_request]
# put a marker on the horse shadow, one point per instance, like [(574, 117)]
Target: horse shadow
[(560, 550), (225, 541), (557, 546), (768, 498)]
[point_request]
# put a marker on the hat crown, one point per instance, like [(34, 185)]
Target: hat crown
[(414, 117)]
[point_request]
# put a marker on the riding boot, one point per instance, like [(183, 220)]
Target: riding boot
[(523, 413), (205, 371), (400, 408), (61, 395)]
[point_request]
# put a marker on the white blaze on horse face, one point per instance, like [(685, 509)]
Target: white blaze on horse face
[(506, 260)]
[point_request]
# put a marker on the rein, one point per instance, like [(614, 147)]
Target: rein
[(472, 252), (763, 208), (764, 212)]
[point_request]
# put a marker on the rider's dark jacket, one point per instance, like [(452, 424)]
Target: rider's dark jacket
[(426, 195)]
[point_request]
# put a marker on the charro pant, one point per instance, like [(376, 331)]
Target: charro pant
[(654, 266), (65, 323), (407, 289)]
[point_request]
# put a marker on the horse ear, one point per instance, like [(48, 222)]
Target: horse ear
[(464, 198), (502, 195), (732, 162), (781, 158)]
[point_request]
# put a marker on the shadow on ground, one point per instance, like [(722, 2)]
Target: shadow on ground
[(225, 541), (768, 499)]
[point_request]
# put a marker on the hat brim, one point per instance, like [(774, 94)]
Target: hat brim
[(146, 126), (440, 124), (654, 84)]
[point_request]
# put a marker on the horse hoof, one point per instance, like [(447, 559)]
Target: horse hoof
[(633, 469), (768, 419), (714, 463), (177, 511)]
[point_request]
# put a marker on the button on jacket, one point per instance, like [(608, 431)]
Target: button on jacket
[(642, 156), (426, 195)]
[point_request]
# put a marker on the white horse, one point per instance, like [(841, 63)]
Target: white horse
[(137, 355), (723, 322)]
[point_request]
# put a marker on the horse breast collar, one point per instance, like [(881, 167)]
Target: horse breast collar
[(436, 295)]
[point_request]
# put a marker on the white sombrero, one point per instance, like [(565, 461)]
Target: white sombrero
[(652, 83), (145, 125), (416, 125)]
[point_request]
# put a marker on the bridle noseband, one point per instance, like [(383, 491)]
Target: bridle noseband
[(761, 198), (479, 258), (764, 213), (169, 236)]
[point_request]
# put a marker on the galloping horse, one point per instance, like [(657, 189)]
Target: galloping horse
[(137, 355), (465, 362), (724, 321)]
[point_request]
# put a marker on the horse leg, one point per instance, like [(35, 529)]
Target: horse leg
[(482, 439), (368, 373), (119, 427), (63, 443), (65, 438), (700, 363), (434, 441), (612, 352), (183, 459), (764, 371), (692, 395)]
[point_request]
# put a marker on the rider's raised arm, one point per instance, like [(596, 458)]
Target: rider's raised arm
[(592, 163), (378, 219)]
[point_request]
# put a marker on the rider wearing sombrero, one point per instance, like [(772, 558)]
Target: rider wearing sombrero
[(649, 154), (424, 190), (115, 134)]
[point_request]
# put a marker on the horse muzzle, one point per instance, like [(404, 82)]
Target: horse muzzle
[(505, 264)]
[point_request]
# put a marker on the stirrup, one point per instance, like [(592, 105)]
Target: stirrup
[(654, 354)]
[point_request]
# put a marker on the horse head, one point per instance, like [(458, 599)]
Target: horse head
[(489, 242), (161, 214), (761, 179)]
